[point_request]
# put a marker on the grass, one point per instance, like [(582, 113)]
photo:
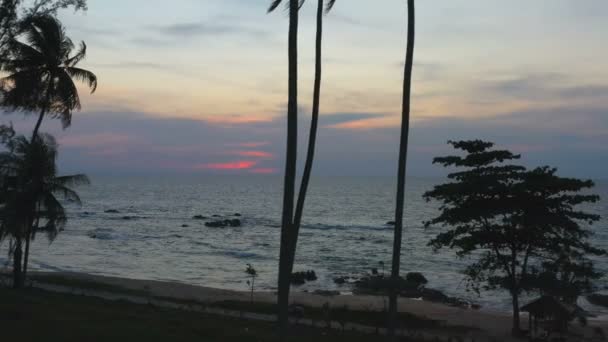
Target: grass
[(83, 284), (36, 315), (370, 318)]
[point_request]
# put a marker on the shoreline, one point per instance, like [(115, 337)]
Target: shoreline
[(491, 323)]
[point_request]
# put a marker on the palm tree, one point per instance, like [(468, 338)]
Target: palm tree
[(403, 147), (314, 121), (42, 71), (287, 235), (289, 249), (31, 205)]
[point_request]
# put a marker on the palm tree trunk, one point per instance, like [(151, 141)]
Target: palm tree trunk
[(403, 147), (38, 123), (290, 173), (17, 255), (46, 104), (28, 238), (314, 123), (26, 255)]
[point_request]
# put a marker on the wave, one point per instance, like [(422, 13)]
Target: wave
[(103, 234), (243, 255), (321, 226)]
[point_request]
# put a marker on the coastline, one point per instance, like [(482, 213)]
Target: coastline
[(490, 323)]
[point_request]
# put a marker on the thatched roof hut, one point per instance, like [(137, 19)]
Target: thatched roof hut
[(551, 313)]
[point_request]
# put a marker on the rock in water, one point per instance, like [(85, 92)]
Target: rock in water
[(224, 223), (112, 211), (598, 299), (300, 278), (326, 293)]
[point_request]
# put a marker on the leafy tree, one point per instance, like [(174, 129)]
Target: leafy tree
[(402, 167), (509, 219), (30, 204), (567, 277), (42, 72)]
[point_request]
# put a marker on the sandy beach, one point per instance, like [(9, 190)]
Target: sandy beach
[(489, 323)]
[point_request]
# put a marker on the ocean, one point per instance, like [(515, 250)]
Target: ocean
[(154, 236)]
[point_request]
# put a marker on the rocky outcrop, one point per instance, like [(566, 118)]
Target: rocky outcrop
[(300, 278), (224, 223), (598, 299)]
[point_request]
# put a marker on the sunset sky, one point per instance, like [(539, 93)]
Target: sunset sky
[(201, 85)]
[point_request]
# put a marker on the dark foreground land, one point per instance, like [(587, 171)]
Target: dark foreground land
[(36, 315)]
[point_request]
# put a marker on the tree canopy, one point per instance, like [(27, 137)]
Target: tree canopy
[(516, 224), (14, 12)]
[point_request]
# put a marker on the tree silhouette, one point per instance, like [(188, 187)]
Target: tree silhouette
[(291, 222), (287, 235), (29, 204), (510, 219), (401, 177), (42, 72), (13, 14)]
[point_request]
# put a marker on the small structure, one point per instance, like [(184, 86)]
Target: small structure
[(550, 314)]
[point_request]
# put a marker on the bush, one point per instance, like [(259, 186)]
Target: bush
[(416, 278)]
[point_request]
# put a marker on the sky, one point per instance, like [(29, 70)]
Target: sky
[(200, 86)]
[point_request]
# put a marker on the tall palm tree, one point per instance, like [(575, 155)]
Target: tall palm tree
[(42, 71), (31, 205), (287, 235), (403, 147), (314, 123)]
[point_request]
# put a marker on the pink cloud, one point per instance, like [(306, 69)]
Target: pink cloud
[(237, 165), (256, 154)]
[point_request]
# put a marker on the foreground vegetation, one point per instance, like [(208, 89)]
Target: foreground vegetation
[(76, 318)]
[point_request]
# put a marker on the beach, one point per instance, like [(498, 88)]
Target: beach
[(482, 323)]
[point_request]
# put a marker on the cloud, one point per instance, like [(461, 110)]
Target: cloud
[(264, 171), (198, 29), (95, 140), (236, 165), (573, 138), (251, 144), (255, 154), (136, 65), (543, 86)]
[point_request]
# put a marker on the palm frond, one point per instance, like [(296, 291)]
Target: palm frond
[(73, 180), (330, 5), (89, 78), (66, 193), (79, 56), (274, 5), (65, 99), (42, 72), (24, 53)]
